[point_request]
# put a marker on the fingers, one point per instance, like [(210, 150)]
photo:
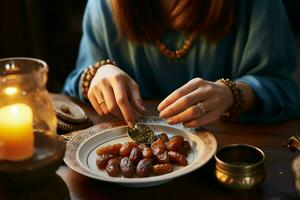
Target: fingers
[(123, 103), (95, 104), (197, 108), (118, 91), (110, 100), (100, 100), (183, 103), (135, 97), (111, 97), (191, 113), (205, 119), (182, 91)]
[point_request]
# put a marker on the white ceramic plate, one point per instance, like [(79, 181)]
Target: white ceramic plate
[(81, 150)]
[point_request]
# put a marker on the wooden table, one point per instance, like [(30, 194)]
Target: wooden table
[(279, 183)]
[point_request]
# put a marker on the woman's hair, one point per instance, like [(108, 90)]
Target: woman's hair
[(146, 20)]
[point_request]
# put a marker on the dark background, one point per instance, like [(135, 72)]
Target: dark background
[(51, 30)]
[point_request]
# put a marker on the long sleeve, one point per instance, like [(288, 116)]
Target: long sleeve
[(259, 52), (92, 46), (267, 61)]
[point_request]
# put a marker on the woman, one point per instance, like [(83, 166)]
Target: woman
[(180, 51)]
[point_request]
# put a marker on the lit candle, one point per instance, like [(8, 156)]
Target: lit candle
[(16, 132)]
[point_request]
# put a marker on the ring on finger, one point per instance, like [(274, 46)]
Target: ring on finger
[(201, 108), (101, 102)]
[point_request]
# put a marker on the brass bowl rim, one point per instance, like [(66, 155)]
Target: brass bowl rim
[(219, 161)]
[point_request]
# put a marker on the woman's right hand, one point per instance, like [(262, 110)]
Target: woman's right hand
[(113, 91)]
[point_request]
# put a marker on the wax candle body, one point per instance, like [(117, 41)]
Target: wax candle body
[(16, 132)]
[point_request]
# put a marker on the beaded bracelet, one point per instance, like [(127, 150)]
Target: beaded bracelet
[(89, 74), (233, 113)]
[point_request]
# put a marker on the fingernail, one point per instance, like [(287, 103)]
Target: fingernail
[(143, 108), (159, 107), (164, 114), (187, 125), (169, 121), (161, 114), (130, 124)]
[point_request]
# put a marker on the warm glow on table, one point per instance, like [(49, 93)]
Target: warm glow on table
[(16, 132)]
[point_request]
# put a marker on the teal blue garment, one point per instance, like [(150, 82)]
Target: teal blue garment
[(258, 51)]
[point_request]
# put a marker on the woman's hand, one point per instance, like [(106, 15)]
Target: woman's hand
[(196, 103), (113, 91)]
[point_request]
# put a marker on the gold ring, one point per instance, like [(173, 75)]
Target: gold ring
[(101, 102), (201, 108)]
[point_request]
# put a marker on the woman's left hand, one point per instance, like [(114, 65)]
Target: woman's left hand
[(197, 103)]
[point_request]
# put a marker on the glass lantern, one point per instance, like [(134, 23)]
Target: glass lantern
[(25, 107), (23, 81), (30, 149)]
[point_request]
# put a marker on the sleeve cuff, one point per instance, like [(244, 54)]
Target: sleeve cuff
[(269, 102)]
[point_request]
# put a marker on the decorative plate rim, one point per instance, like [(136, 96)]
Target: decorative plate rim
[(80, 137)]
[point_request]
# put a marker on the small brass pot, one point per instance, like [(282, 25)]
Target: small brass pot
[(240, 166)]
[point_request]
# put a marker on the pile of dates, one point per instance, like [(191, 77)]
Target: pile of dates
[(130, 159)]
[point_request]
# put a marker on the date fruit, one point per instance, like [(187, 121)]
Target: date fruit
[(136, 155), (110, 149), (113, 167), (158, 147), (127, 167), (178, 158), (144, 168), (163, 157), (164, 137), (103, 159), (147, 152), (126, 148), (187, 147), (160, 169), (174, 143)]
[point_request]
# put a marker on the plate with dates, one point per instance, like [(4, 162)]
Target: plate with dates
[(82, 146)]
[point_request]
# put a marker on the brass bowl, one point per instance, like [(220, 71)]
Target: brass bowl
[(240, 166)]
